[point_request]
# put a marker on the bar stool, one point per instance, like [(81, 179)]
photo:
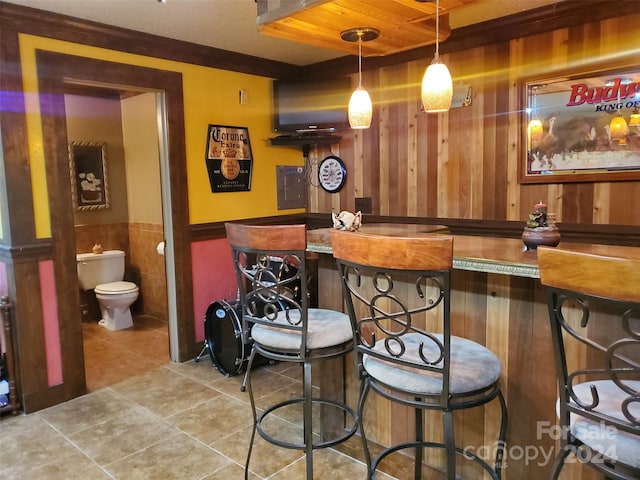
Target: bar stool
[(397, 292), (398, 295), (594, 310), (271, 271)]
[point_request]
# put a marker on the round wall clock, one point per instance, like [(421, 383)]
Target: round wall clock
[(332, 174)]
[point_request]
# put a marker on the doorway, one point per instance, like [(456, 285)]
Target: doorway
[(54, 72), (128, 217)]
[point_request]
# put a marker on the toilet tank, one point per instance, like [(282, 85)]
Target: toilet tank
[(97, 268)]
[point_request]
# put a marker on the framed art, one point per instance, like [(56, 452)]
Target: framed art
[(579, 127), (88, 169), (229, 159)]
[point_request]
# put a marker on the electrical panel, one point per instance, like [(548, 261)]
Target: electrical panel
[(292, 191)]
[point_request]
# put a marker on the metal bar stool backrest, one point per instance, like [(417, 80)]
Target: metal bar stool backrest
[(594, 312), (376, 271), (270, 270)]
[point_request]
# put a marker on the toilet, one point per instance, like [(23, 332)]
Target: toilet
[(103, 273)]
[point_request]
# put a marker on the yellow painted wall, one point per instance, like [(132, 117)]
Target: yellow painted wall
[(210, 96), (141, 153)]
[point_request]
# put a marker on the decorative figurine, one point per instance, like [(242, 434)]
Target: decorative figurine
[(347, 221), (541, 228)]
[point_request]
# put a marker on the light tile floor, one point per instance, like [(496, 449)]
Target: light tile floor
[(148, 418)]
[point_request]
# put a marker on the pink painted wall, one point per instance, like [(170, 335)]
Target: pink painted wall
[(50, 321), (4, 286), (213, 278)]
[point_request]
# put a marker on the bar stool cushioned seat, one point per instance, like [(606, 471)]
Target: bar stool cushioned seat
[(326, 329), (473, 367), (625, 445)]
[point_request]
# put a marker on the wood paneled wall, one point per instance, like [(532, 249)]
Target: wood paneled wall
[(464, 163)]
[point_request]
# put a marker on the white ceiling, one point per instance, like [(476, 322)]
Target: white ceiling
[(231, 24)]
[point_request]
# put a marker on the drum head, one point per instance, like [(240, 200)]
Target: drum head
[(222, 329)]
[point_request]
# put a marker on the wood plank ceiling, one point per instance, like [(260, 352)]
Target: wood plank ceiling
[(403, 24)]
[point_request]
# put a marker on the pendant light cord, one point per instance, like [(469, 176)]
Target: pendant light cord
[(437, 55), (359, 59)]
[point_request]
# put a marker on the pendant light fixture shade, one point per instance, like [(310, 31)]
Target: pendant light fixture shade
[(437, 85), (618, 127), (437, 88), (360, 107), (534, 129)]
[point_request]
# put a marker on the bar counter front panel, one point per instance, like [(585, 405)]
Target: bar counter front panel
[(497, 300)]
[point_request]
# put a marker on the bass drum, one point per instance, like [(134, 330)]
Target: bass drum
[(227, 346), (223, 333)]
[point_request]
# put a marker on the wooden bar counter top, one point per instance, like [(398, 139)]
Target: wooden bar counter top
[(473, 253), (497, 300)]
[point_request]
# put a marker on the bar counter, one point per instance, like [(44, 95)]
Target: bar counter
[(497, 300), (505, 256)]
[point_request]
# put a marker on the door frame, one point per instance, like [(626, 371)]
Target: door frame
[(53, 70)]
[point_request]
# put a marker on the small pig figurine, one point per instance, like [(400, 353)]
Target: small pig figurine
[(346, 221)]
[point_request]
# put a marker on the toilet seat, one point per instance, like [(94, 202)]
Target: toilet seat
[(116, 288)]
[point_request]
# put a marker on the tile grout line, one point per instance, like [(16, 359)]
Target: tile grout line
[(76, 447)]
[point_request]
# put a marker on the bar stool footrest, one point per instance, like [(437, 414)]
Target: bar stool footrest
[(459, 451), (348, 433)]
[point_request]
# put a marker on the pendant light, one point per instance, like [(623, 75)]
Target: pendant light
[(618, 126), (437, 86), (360, 107), (534, 128)]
